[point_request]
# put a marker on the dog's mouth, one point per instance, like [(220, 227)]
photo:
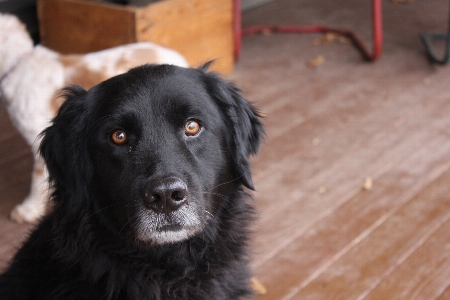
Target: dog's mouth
[(159, 228), (169, 227)]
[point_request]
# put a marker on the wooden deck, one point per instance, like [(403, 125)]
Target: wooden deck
[(321, 234)]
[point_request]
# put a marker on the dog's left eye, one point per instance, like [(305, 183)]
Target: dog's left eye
[(192, 127), (119, 137)]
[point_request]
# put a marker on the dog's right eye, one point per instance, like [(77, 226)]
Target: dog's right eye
[(119, 137), (192, 127)]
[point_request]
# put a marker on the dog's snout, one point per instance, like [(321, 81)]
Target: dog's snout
[(165, 195)]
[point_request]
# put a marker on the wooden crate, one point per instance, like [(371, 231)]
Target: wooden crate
[(200, 30)]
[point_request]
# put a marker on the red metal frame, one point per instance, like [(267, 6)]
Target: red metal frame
[(377, 23)]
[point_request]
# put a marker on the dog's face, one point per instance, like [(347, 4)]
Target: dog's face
[(158, 150), (161, 149)]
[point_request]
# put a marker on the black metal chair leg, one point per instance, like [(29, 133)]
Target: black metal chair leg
[(427, 40)]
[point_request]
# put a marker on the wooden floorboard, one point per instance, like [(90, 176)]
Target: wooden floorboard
[(372, 157), (378, 251), (425, 274), (445, 295), (320, 234), (340, 229)]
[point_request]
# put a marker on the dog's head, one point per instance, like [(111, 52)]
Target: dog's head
[(155, 151)]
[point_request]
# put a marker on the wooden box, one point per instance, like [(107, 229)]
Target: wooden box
[(200, 30)]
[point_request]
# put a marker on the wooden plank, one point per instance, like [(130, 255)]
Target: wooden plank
[(12, 238), (11, 196), (12, 146), (423, 275), (12, 234), (331, 237), (76, 26), (340, 171), (445, 295), (324, 115), (15, 152), (379, 252), (199, 29), (19, 170)]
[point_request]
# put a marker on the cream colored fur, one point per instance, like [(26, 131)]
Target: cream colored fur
[(30, 78)]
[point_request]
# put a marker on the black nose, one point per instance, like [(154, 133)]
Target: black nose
[(165, 195)]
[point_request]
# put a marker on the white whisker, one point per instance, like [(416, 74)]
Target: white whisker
[(101, 209), (210, 214), (223, 183)]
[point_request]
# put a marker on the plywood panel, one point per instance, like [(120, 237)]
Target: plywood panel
[(71, 26), (200, 29)]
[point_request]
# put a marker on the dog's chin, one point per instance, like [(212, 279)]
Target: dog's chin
[(159, 229), (164, 237)]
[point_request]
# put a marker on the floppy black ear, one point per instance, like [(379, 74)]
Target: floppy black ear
[(63, 148), (243, 117)]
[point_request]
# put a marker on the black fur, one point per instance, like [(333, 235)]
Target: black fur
[(100, 241)]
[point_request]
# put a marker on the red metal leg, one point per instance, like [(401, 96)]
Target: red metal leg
[(377, 23), (237, 27)]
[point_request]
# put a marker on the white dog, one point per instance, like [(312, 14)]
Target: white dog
[(30, 78)]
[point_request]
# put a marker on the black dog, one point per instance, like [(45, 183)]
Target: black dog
[(147, 171)]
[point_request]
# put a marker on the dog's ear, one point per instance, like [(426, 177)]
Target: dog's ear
[(243, 117), (63, 147)]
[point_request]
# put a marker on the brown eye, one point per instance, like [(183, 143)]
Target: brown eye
[(192, 127), (119, 137)]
